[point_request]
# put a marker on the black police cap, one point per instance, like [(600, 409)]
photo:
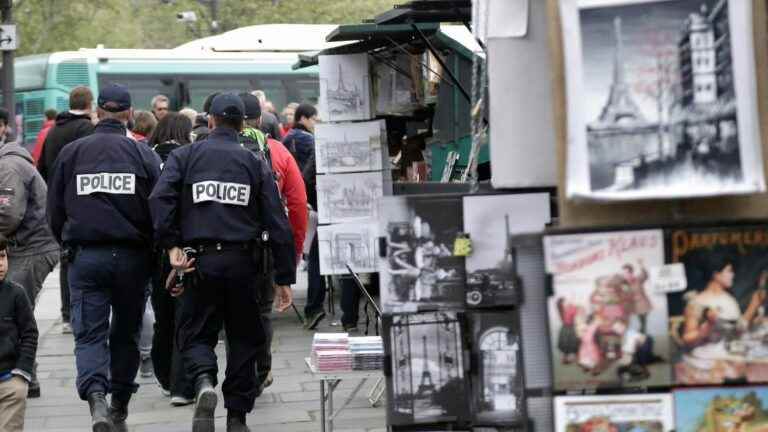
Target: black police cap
[(227, 105), (114, 98), (252, 106)]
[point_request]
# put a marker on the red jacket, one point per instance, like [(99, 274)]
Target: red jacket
[(291, 187), (38, 150)]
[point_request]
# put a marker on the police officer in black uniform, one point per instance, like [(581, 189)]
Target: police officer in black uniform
[(98, 209), (220, 199)]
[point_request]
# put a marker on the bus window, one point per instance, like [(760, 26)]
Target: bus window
[(200, 88), (144, 88)]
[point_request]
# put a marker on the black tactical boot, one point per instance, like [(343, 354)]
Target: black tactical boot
[(205, 405), (100, 413), (118, 410), (236, 421)]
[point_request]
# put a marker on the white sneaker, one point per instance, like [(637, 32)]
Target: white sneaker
[(178, 401), (66, 328)]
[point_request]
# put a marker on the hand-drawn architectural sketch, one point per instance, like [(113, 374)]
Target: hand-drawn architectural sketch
[(350, 147), (396, 92), (350, 197), (348, 243), (344, 88), (671, 112)]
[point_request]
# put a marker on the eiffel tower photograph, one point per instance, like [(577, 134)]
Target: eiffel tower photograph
[(659, 107), (429, 346)]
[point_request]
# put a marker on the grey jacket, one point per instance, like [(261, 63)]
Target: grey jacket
[(22, 203)]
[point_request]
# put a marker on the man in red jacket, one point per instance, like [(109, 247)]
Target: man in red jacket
[(290, 184), (50, 120)]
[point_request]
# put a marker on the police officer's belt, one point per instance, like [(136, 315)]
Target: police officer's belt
[(214, 247)]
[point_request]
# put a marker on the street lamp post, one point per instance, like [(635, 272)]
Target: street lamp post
[(9, 101)]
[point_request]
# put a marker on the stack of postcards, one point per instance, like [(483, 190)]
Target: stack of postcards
[(367, 352), (330, 352)]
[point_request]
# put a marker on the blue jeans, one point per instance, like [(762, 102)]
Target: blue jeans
[(104, 279)]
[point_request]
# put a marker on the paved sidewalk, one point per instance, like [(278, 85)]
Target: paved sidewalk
[(291, 404)]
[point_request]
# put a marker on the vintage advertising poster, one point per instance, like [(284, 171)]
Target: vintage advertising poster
[(742, 409), (345, 92), (718, 325), (428, 382), (607, 323), (651, 412), (348, 243), (352, 197), (662, 99), (421, 271), (350, 147), (497, 381), (491, 221)]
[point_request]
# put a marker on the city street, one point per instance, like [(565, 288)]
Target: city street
[(291, 404)]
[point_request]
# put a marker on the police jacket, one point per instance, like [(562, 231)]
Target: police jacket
[(216, 191), (22, 203), (100, 187)]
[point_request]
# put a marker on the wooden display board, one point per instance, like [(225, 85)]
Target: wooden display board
[(585, 213)]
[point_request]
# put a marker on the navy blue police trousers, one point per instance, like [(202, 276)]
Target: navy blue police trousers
[(108, 279), (226, 293)]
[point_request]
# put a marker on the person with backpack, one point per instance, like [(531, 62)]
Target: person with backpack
[(300, 141), (290, 184)]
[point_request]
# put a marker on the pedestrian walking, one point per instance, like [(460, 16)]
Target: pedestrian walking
[(33, 253), (69, 126), (270, 125), (300, 141), (143, 125), (50, 120), (294, 196), (6, 135), (161, 106), (172, 132), (18, 346), (106, 177), (220, 199), (200, 129)]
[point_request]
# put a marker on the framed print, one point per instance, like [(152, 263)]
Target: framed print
[(497, 378), (662, 99), (721, 409), (352, 197), (607, 323), (421, 272), (615, 413), (718, 325), (345, 92), (348, 243), (350, 147), (490, 221), (428, 381)]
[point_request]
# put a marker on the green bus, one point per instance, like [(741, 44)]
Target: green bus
[(186, 76)]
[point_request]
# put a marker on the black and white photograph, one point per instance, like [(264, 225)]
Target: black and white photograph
[(345, 93), (662, 99), (491, 221), (420, 272), (497, 383), (347, 243), (350, 147), (428, 383), (351, 197)]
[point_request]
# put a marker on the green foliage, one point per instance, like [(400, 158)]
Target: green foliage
[(63, 25)]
